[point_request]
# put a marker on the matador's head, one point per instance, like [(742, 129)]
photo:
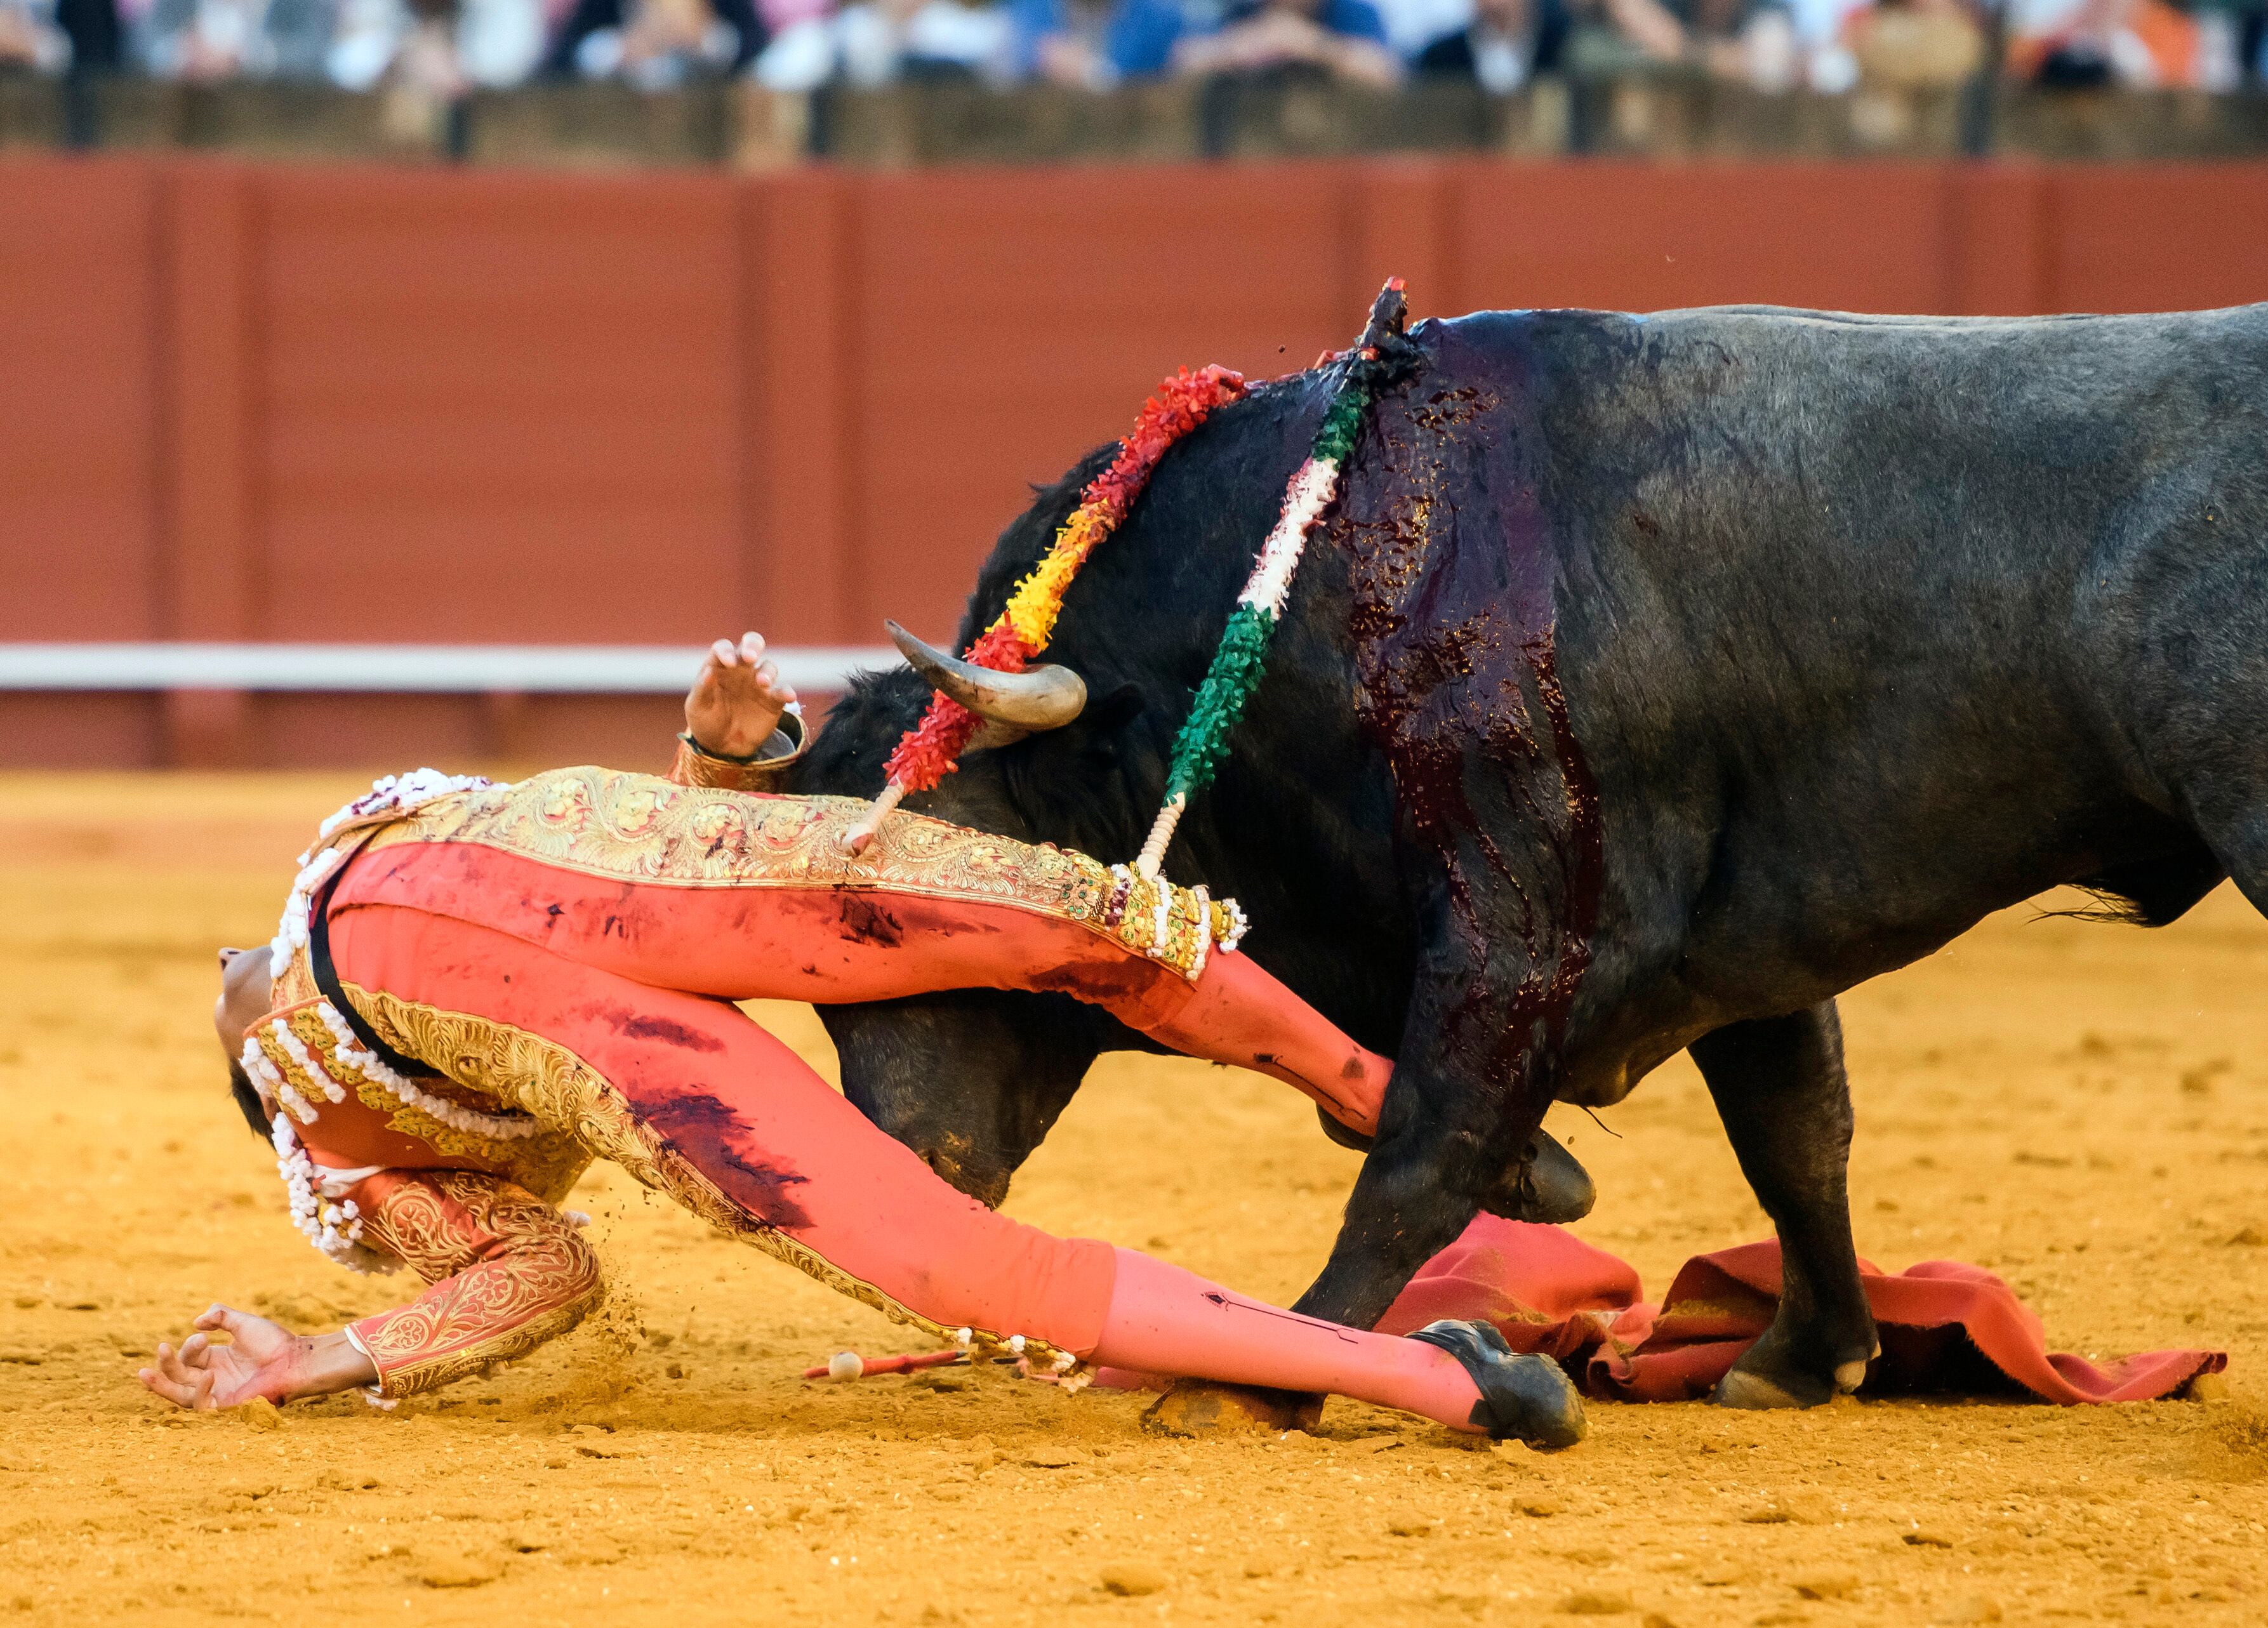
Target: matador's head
[(246, 993)]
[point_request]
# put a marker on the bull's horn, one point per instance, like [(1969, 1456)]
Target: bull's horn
[(991, 736), (1041, 698)]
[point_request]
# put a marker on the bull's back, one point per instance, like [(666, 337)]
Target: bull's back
[(1868, 494), (1856, 613)]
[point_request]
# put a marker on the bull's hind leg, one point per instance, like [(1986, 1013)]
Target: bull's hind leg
[(2239, 839), (1780, 1089)]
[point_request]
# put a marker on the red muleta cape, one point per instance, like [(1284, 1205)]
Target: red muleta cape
[(1946, 1327)]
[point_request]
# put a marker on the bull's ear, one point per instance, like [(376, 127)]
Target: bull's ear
[(1073, 784), (1095, 739), (1104, 721)]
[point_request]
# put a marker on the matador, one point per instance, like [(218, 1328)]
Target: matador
[(478, 989)]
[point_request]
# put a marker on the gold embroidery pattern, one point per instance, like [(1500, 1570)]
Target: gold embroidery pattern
[(508, 1273), (602, 822), (542, 1161), (297, 985), (544, 1078), (502, 1064), (545, 1164), (272, 1049)]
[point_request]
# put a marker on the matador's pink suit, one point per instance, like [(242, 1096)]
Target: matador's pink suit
[(511, 980)]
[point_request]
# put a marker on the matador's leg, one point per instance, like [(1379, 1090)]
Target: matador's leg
[(776, 941), (701, 1101)]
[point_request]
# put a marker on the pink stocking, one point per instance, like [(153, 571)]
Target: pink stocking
[(1239, 1013), (1163, 1320)]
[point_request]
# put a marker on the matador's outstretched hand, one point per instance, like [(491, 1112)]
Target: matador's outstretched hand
[(736, 699), (263, 1360)]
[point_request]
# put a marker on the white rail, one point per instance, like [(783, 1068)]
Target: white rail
[(401, 669)]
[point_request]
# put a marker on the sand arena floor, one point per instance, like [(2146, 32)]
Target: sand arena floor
[(2083, 1108)]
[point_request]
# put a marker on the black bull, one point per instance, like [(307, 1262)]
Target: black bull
[(1654, 681)]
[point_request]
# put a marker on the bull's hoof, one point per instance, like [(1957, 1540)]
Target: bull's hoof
[(1757, 1381), (1557, 1189), (1524, 1398), (1738, 1390), (1195, 1408)]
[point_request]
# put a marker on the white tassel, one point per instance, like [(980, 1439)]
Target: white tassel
[(334, 1228), (308, 1064), (1312, 485), (402, 794), (507, 1127)]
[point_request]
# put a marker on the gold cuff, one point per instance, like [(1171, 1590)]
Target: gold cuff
[(697, 766)]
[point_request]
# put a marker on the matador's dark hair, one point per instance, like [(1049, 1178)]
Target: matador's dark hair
[(247, 1099)]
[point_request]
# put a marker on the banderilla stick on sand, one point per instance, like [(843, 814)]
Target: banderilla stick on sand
[(849, 1365)]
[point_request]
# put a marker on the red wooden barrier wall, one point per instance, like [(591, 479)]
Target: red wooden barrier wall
[(289, 403)]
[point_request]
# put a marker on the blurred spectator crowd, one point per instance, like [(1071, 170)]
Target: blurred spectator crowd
[(445, 47)]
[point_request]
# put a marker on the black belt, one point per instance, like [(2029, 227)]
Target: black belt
[(326, 977)]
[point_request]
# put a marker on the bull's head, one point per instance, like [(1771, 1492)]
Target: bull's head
[(1297, 827), (972, 1080), (1012, 704), (975, 1136)]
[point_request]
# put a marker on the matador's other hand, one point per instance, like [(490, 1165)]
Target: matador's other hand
[(736, 699), (261, 1359)]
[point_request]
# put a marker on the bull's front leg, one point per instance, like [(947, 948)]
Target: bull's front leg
[(1785, 1102), (1466, 1095), (1469, 1088)]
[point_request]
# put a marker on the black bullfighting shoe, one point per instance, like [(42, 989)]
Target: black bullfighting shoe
[(1523, 1398)]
